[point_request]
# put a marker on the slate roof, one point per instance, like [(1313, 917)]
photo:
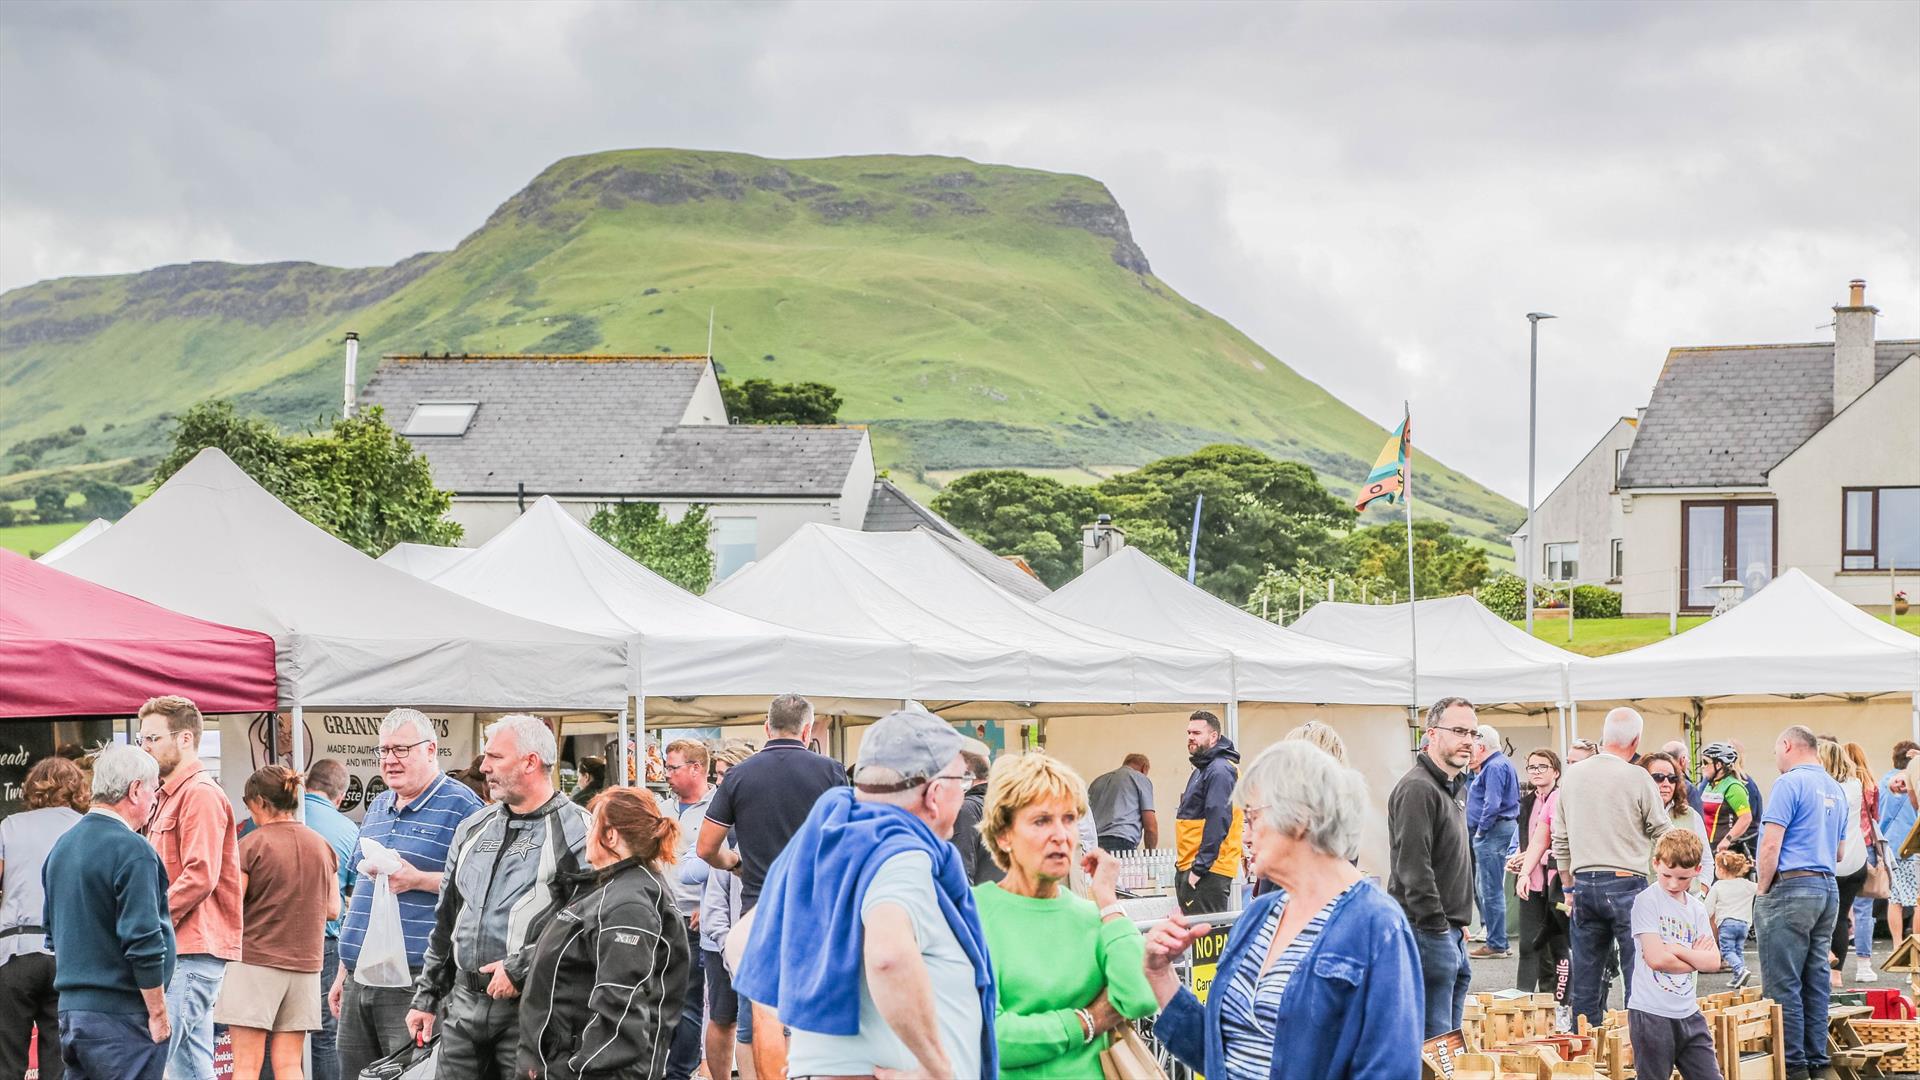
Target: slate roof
[(994, 568), (751, 459), (892, 510), (560, 426), (1723, 416)]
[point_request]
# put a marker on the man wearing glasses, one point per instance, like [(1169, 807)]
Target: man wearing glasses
[(1431, 871), (1610, 815), (416, 817)]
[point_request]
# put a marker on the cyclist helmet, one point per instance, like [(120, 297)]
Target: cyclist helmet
[(1722, 753)]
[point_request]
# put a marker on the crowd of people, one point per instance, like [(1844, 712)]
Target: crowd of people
[(930, 912)]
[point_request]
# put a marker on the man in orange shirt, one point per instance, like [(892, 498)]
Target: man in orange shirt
[(192, 828)]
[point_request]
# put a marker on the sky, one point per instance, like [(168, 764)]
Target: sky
[(1377, 193)]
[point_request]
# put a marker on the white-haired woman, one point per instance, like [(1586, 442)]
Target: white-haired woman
[(1355, 1011)]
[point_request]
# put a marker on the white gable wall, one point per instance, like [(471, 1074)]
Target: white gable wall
[(1582, 509)]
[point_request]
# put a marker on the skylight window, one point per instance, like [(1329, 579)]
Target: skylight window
[(440, 418)]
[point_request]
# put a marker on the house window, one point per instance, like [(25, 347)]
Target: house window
[(1723, 540), (1619, 560), (735, 544), (440, 418), (1619, 463), (1880, 528), (1563, 562)]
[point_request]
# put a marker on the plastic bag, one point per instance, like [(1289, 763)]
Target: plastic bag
[(383, 952), (409, 1063)]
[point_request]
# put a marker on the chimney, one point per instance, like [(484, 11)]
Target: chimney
[(1099, 540), (353, 371), (1852, 346)]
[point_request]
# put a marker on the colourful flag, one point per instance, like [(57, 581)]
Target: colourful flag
[(1388, 477)]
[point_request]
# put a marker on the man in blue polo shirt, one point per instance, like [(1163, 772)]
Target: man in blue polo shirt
[(1799, 901), (416, 817), (326, 786)]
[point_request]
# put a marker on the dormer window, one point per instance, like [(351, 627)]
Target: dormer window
[(440, 418)]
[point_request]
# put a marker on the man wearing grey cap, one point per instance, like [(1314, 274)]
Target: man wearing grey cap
[(869, 893)]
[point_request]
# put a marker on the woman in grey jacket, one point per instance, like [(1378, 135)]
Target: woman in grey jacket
[(609, 974)]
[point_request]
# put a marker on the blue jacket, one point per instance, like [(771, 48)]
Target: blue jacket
[(1896, 814), (805, 957), (1494, 794), (1352, 1011)]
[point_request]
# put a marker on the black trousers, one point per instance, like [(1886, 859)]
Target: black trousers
[(27, 1001), (1544, 947), (1842, 927), (1207, 898), (479, 1035)]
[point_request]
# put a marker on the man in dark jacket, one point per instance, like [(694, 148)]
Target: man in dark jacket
[(1432, 861), (1207, 826), (966, 828)]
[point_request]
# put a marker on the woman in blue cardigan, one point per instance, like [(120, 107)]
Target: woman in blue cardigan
[(1320, 979)]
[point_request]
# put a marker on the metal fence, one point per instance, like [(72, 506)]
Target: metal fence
[(1185, 967)]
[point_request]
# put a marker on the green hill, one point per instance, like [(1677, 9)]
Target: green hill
[(974, 315)]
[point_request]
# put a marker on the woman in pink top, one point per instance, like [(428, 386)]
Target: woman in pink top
[(1543, 922)]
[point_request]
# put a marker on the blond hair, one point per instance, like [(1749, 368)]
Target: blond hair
[(1732, 864), (1016, 782), (1322, 736), (1679, 848)]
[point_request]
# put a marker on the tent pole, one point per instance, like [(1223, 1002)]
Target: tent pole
[(640, 736), (1233, 702), (620, 741), (1566, 698), (299, 724)]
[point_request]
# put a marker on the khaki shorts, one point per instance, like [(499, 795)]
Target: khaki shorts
[(269, 999)]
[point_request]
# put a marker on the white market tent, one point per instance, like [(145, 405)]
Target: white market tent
[(424, 560), (72, 543), (971, 641), (348, 632), (1465, 650), (1791, 638), (548, 566), (1130, 591)]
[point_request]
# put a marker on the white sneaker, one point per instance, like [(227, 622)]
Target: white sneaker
[(1864, 972)]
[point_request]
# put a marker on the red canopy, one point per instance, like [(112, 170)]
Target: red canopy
[(72, 648)]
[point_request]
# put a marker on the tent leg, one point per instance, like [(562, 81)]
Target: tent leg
[(640, 738), (620, 743), (1916, 716), (299, 744), (1233, 721)]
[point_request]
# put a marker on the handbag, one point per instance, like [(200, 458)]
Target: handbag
[(410, 1062), (1127, 1057), (1878, 884)]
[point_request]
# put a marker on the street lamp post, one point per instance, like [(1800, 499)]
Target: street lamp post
[(1533, 408)]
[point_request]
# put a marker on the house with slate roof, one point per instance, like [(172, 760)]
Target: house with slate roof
[(1749, 459), (500, 431)]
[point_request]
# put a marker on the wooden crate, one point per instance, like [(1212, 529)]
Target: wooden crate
[(1894, 1031)]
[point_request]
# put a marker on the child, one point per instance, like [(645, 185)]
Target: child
[(1730, 906), (1672, 940)]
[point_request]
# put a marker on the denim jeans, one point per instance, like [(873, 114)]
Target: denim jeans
[(1445, 974), (687, 1048), (1602, 914), (1733, 946), (190, 997), (1795, 921), (1863, 927), (326, 1057), (1490, 851)]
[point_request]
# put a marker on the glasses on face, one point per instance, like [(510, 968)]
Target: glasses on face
[(149, 740), (397, 752), (935, 779), (1463, 732), (1252, 814), (1663, 777), (1539, 767)]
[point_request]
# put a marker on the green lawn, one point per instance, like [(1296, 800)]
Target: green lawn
[(33, 540), (1599, 637)]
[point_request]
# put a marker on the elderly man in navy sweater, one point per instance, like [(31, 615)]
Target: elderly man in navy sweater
[(1493, 809), (106, 919)]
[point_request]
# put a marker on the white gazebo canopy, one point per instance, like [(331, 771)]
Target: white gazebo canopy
[(1130, 592), (971, 640), (423, 560), (1465, 650), (348, 632), (73, 543), (1792, 637), (549, 566)]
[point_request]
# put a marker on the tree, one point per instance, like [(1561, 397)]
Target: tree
[(1259, 512), (1444, 562), (104, 500), (763, 401), (1015, 513), (676, 550), (359, 481), (50, 505)]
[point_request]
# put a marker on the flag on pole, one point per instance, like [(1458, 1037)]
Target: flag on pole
[(1389, 474)]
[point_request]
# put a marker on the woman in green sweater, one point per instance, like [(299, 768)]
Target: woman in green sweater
[(1068, 971)]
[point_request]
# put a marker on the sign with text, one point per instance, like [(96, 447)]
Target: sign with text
[(24, 742), (1206, 960), (353, 739)]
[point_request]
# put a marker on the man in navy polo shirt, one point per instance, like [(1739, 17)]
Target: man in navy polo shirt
[(1799, 900), (415, 817), (764, 801)]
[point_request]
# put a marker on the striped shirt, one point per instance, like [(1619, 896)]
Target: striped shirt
[(1250, 1005), (421, 832)]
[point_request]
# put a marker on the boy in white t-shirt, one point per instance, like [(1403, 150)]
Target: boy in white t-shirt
[(1730, 906), (1672, 940)]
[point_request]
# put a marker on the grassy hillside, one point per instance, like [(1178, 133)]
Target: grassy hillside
[(973, 315)]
